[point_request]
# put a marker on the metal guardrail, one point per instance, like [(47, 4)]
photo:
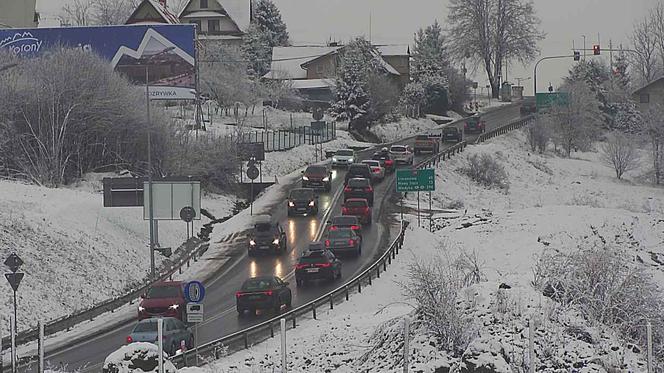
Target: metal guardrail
[(504, 129), (285, 139), (213, 348)]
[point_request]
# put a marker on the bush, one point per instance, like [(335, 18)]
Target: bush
[(539, 134), (601, 281), (619, 152), (486, 171)]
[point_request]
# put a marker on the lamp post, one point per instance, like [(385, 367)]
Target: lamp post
[(149, 125), (535, 70)]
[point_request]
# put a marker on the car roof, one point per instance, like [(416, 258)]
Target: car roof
[(316, 244), (357, 200), (302, 190), (316, 168), (261, 278), (370, 161), (359, 180), (344, 217), (398, 146), (263, 219)]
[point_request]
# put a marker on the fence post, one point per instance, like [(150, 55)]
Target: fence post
[(406, 339), (346, 292), (531, 347), (284, 366), (246, 340), (331, 302), (313, 309), (378, 271), (369, 278), (649, 337), (359, 286)]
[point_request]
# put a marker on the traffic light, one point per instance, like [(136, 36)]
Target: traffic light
[(577, 55), (596, 49)]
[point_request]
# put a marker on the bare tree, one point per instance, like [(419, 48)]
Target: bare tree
[(645, 43), (577, 121), (493, 32), (77, 12), (619, 152), (654, 130), (113, 12), (539, 133)]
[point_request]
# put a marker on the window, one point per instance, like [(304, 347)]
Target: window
[(213, 25), (204, 4), (644, 98)]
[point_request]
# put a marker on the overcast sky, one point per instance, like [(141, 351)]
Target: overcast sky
[(395, 21)]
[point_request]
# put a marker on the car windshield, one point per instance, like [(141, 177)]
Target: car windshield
[(358, 183), (450, 129), (313, 257), (356, 203), (163, 292), (344, 220), (257, 284), (341, 233), (263, 227), (146, 326), (316, 170), (398, 149), (360, 168), (301, 194), (372, 163), (422, 137), (344, 153)]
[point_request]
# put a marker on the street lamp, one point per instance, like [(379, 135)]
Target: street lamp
[(149, 125)]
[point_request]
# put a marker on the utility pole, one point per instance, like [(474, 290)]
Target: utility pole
[(584, 47), (150, 209)]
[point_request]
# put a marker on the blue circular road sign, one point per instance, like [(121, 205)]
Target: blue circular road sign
[(194, 292)]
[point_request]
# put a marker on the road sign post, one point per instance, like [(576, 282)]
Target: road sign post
[(160, 344), (416, 180), (252, 174), (194, 293), (13, 262)]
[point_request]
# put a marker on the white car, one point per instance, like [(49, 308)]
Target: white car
[(402, 154), (343, 158), (377, 171)]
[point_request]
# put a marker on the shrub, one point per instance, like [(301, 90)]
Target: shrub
[(619, 152), (486, 171)]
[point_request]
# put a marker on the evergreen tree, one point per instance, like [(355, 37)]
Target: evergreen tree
[(429, 55), (268, 19), (257, 51), (357, 62), (620, 73)]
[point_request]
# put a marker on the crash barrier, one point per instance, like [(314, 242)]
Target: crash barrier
[(443, 155), (505, 128), (284, 139), (242, 339)]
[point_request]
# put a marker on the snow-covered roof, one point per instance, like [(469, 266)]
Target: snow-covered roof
[(203, 14), (637, 91), (393, 49), (313, 83), (164, 13), (218, 37), (238, 10), (384, 64), (287, 61)]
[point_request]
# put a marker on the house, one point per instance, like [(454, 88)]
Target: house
[(151, 12), (18, 14), (650, 94), (311, 70), (225, 20)]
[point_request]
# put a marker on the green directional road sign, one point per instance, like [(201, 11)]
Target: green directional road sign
[(416, 180)]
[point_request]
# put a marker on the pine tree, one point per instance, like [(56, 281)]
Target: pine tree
[(620, 73), (256, 49), (268, 19), (429, 54)]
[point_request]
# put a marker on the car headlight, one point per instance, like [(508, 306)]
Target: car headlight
[(141, 309), (174, 306), (312, 203), (326, 178), (350, 160), (305, 178), (252, 242), (276, 241), (291, 204), (335, 159)]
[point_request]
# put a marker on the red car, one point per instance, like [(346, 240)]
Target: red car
[(163, 299), (358, 207)]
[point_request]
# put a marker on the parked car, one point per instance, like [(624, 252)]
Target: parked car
[(266, 237), (385, 160), (377, 170), (163, 299), (302, 201), (474, 124), (358, 207), (317, 177), (358, 170), (315, 246), (340, 222), (263, 293), (343, 158), (316, 265), (426, 143), (452, 134), (174, 333), (401, 154), (359, 188), (344, 241)]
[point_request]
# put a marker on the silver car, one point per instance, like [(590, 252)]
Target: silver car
[(175, 332), (401, 154), (377, 171), (343, 158)]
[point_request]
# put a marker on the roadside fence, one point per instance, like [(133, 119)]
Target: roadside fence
[(285, 139)]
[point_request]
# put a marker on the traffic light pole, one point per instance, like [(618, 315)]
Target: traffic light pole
[(537, 64)]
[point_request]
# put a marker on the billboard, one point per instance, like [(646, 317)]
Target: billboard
[(164, 55)]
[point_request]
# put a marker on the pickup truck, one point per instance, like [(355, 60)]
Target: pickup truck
[(426, 143)]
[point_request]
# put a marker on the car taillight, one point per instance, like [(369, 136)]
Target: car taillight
[(351, 242), (366, 210), (323, 265), (348, 189), (268, 293), (355, 227), (389, 162), (376, 170), (129, 339), (300, 266), (327, 243), (344, 210), (238, 294), (368, 189), (465, 125), (334, 228)]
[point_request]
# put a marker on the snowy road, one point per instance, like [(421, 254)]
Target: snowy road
[(221, 317)]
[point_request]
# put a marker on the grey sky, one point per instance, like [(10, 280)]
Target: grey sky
[(395, 21)]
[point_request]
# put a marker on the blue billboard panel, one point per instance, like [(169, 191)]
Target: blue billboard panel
[(162, 55)]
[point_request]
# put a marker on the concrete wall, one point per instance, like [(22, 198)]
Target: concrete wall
[(17, 13)]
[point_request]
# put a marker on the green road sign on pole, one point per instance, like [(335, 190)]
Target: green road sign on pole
[(547, 100), (416, 180)]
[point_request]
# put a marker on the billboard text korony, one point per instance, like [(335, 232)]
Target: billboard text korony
[(164, 55)]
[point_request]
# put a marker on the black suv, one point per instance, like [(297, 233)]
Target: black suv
[(317, 177), (266, 237), (265, 292), (315, 265), (359, 170), (302, 201), (359, 188), (452, 133)]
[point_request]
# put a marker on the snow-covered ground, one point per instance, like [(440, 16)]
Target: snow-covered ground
[(77, 252), (551, 203), (392, 131)]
